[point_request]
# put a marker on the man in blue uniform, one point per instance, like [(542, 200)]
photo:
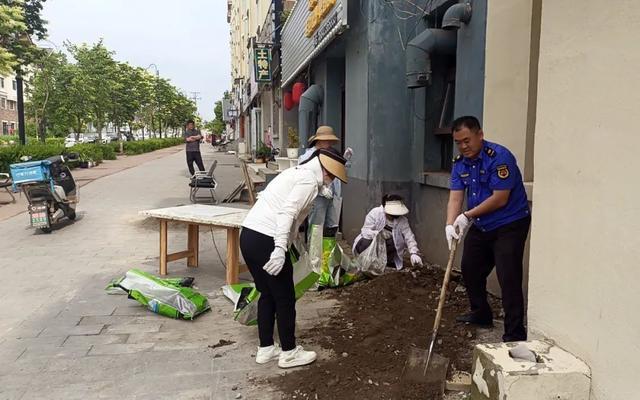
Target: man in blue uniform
[(498, 218)]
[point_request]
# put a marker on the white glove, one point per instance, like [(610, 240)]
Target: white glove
[(461, 223), (276, 262), (416, 261), (348, 153), (451, 234)]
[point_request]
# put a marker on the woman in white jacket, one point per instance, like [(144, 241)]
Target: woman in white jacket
[(389, 220), (267, 233)]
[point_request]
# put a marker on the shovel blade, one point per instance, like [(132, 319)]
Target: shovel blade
[(436, 373)]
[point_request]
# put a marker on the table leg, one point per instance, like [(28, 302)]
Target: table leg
[(233, 245), (193, 244), (163, 247)]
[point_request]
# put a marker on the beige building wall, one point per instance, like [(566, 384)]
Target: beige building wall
[(510, 74), (585, 247)]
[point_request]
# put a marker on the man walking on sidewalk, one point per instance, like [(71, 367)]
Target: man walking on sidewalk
[(499, 218), (192, 137)]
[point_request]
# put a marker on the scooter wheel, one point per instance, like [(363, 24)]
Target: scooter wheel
[(45, 230), (72, 215)]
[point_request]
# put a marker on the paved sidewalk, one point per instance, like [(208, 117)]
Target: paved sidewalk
[(84, 176), (63, 337)]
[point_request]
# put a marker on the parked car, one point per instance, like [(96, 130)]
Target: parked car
[(70, 140), (90, 138)]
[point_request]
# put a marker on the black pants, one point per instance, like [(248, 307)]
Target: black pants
[(277, 294), (504, 248), (194, 156)]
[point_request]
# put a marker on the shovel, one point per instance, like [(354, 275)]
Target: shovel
[(424, 365)]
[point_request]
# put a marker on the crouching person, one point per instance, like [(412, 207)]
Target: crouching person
[(267, 233), (390, 222)]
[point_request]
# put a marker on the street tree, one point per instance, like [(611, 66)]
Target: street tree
[(99, 72)]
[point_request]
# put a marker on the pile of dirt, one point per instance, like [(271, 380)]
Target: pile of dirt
[(372, 334)]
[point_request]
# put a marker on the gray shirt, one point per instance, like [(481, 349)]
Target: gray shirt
[(195, 145)]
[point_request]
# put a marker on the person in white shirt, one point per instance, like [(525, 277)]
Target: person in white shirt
[(389, 220), (326, 207), (267, 233)]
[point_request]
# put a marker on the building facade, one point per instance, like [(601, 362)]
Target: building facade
[(391, 76), (255, 53), (8, 105)]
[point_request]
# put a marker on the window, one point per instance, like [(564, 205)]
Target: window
[(12, 128), (1, 83), (3, 102), (5, 128), (12, 105), (15, 85)]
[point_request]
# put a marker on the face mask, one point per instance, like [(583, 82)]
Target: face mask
[(325, 191)]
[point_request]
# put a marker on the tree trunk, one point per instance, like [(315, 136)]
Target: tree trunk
[(42, 132)]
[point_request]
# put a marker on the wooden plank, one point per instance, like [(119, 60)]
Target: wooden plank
[(243, 268), (233, 242), (163, 247), (248, 183), (193, 244), (179, 255)]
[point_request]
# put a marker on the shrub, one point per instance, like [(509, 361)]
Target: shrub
[(10, 154)]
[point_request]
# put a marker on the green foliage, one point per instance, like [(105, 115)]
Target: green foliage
[(19, 20), (262, 150), (145, 146), (65, 96), (10, 154)]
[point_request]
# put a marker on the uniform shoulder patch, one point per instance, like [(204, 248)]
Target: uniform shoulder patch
[(457, 158), (490, 152), (503, 171)]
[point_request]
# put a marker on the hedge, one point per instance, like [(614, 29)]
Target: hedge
[(145, 146), (10, 154)]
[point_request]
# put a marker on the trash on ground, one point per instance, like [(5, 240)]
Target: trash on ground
[(222, 343)]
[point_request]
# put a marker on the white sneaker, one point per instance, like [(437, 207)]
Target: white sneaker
[(296, 358), (269, 353)]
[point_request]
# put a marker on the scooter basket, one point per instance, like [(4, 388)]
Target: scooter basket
[(29, 172)]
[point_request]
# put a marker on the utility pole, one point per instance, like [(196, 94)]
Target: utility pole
[(195, 97), (157, 99)]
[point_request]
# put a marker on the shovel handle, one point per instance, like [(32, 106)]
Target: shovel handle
[(445, 284)]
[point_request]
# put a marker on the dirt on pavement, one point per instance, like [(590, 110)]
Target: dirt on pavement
[(371, 335)]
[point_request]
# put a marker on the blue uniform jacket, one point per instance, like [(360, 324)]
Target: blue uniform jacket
[(494, 169)]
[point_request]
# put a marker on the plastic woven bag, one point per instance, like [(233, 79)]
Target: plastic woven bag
[(162, 296), (336, 268), (246, 304)]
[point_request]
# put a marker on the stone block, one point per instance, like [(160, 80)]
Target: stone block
[(556, 375)]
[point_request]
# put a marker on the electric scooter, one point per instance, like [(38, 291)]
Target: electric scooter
[(50, 189)]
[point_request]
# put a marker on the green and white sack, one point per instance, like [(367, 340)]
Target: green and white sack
[(245, 296), (162, 296)]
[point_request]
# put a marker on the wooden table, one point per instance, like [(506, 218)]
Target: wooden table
[(195, 215)]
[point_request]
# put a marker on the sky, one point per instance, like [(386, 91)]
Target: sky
[(187, 39)]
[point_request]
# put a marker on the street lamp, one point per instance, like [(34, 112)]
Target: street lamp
[(157, 96)]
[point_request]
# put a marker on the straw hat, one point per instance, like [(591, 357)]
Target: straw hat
[(324, 133), (333, 163), (395, 207)]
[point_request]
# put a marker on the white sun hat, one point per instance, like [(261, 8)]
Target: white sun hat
[(395, 207)]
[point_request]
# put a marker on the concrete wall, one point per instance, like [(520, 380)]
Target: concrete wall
[(378, 121), (584, 246), (510, 81)]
